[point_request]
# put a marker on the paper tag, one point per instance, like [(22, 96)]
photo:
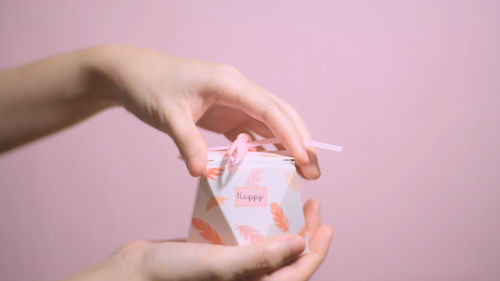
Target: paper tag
[(250, 196)]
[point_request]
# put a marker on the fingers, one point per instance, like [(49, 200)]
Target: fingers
[(320, 241), (320, 237), (188, 139), (319, 245), (304, 267), (282, 119), (312, 215), (270, 259), (268, 255), (235, 90), (262, 129), (169, 260), (311, 169), (308, 171), (233, 133)]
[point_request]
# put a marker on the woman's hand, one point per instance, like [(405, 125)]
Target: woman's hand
[(176, 94), (170, 93), (275, 258)]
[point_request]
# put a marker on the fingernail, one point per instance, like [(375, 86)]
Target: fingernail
[(318, 173), (305, 155), (312, 167), (303, 158), (196, 158), (193, 162)]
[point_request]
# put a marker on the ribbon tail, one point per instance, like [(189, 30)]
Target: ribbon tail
[(323, 145), (237, 151)]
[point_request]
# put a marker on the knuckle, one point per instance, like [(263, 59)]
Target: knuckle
[(131, 252), (226, 77), (265, 260), (131, 246), (226, 69), (272, 111), (215, 269), (293, 111)]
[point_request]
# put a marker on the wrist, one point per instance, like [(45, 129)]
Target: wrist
[(101, 86)]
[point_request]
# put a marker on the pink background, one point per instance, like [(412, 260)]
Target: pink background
[(410, 88)]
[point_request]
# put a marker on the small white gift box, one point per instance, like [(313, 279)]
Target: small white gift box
[(259, 197)]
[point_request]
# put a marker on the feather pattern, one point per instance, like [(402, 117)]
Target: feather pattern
[(214, 201), (212, 173), (254, 177), (206, 231), (249, 233), (279, 217)]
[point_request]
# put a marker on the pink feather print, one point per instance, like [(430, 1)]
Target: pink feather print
[(249, 233), (254, 177)]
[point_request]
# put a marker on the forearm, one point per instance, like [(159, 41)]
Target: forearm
[(49, 95)]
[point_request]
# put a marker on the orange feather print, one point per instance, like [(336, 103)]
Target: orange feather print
[(302, 232), (212, 173), (249, 233), (291, 179), (215, 201), (254, 177), (206, 231), (279, 217)]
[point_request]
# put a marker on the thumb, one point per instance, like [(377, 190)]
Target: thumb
[(189, 141), (265, 256)]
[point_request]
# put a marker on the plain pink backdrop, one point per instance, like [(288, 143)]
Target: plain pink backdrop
[(410, 88)]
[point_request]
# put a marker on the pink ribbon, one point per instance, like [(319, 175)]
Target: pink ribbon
[(237, 150)]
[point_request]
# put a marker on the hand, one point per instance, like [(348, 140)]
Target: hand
[(275, 258), (170, 93), (319, 236), (176, 94)]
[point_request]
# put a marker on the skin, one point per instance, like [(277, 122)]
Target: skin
[(172, 94), (177, 96), (277, 258)]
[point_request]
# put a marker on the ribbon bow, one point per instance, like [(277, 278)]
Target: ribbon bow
[(237, 150)]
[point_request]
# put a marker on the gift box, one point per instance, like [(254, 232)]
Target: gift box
[(238, 204)]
